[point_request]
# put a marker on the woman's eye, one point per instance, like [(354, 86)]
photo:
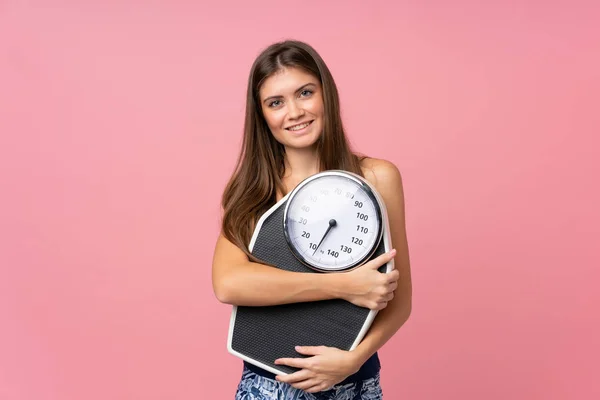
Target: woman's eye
[(274, 103), (306, 92)]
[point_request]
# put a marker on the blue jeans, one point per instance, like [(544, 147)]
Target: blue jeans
[(256, 387)]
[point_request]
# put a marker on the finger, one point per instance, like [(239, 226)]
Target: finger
[(381, 305), (306, 384), (392, 276), (296, 377), (386, 257), (318, 388), (382, 259), (393, 286), (292, 362), (310, 350)]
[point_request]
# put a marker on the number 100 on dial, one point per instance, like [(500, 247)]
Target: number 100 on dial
[(333, 221)]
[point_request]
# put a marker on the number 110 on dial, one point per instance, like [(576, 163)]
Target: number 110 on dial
[(333, 221)]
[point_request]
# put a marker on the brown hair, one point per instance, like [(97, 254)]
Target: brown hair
[(253, 187)]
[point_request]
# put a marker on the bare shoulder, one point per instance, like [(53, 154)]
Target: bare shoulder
[(384, 175)]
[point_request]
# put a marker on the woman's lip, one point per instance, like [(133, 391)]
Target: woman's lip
[(302, 123)]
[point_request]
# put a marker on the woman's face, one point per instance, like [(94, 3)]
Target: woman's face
[(292, 104)]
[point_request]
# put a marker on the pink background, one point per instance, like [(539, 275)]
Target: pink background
[(120, 123)]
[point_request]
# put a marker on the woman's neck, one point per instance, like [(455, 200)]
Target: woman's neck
[(300, 164)]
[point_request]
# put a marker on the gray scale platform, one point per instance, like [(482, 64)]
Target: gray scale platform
[(260, 335)]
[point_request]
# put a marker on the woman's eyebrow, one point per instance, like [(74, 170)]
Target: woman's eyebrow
[(296, 91)]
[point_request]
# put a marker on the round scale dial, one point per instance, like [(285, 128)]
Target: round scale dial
[(333, 221)]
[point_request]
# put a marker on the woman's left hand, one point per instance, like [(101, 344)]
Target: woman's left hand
[(327, 367)]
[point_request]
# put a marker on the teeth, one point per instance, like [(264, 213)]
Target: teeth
[(298, 127)]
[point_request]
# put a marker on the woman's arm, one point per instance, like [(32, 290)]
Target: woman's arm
[(238, 281), (388, 182)]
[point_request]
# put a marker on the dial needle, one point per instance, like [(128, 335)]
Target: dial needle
[(332, 223)]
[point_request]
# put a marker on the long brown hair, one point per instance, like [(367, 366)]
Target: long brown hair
[(253, 187)]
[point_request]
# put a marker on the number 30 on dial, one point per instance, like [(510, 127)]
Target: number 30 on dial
[(333, 221)]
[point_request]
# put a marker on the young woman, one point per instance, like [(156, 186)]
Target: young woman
[(293, 130)]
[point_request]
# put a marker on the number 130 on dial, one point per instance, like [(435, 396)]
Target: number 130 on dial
[(333, 221)]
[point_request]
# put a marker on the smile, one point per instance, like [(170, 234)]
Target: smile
[(299, 126)]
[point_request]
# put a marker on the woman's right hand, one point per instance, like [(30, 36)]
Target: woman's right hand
[(369, 288)]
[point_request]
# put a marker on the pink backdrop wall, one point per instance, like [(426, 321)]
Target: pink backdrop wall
[(120, 123)]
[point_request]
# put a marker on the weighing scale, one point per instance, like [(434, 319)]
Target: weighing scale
[(332, 222)]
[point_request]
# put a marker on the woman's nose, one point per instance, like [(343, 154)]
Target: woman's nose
[(294, 111)]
